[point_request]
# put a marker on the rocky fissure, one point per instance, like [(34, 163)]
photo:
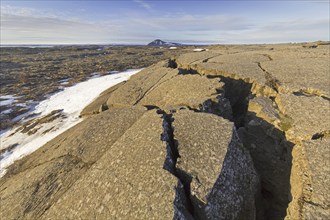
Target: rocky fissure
[(183, 208), (218, 135), (272, 82), (274, 191), (172, 153)]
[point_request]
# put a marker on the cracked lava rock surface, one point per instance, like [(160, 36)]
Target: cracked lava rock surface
[(236, 132)]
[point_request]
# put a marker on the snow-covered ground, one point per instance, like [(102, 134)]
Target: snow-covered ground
[(7, 99), (72, 100)]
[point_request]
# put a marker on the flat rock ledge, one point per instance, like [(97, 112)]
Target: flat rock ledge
[(235, 132)]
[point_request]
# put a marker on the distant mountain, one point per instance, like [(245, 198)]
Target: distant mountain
[(160, 43)]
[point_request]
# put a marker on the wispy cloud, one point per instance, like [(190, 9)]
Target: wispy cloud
[(282, 31), (28, 25), (143, 4), (180, 22), (37, 13), (31, 26)]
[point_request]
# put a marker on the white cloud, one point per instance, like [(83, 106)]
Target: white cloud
[(37, 13), (284, 31), (27, 25), (143, 4), (16, 29), (7, 9)]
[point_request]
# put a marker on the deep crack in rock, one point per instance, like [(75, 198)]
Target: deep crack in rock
[(183, 208), (270, 151)]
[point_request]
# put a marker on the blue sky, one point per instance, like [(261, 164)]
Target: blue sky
[(141, 21)]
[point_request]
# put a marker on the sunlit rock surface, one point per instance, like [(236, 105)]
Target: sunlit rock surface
[(236, 132)]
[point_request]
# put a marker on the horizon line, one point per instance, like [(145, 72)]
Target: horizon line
[(140, 44)]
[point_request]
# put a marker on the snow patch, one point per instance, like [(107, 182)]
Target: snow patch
[(7, 111), (72, 100), (7, 99)]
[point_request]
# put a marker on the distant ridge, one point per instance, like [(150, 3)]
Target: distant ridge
[(159, 42)]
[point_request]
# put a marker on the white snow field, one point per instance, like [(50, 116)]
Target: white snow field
[(72, 100)]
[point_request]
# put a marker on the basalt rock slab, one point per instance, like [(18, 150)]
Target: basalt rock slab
[(136, 88), (186, 59), (235, 192), (113, 165), (35, 182), (264, 108), (308, 115), (243, 57), (202, 145), (182, 90), (100, 103), (301, 74), (248, 72), (127, 182), (317, 200)]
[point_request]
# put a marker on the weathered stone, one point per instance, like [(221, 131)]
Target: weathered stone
[(310, 115), (186, 59), (34, 183), (202, 144), (308, 74), (244, 57), (128, 182), (111, 164), (28, 194), (248, 71), (182, 90), (264, 108), (139, 84), (317, 200), (99, 104), (233, 194), (298, 52)]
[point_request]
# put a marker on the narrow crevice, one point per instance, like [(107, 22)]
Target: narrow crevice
[(183, 71), (151, 107), (326, 98), (171, 64), (194, 109), (271, 152), (316, 204), (103, 107), (167, 136), (238, 92), (300, 93), (204, 60), (183, 207), (321, 135), (317, 136), (181, 202), (272, 156), (158, 84), (232, 100), (310, 94), (271, 81), (268, 56)]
